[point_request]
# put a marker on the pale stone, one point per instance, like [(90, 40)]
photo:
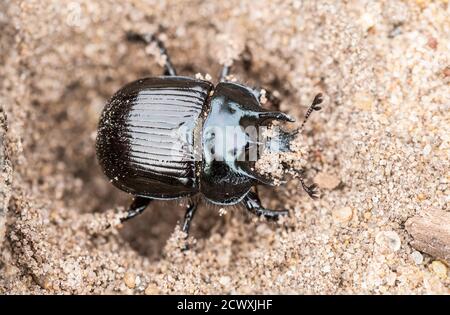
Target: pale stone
[(426, 150), (417, 257), (388, 240), (151, 289), (327, 181), (342, 215), (326, 269), (363, 101), (224, 280), (130, 279), (439, 268)]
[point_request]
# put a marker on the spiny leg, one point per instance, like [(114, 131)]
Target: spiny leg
[(314, 107), (192, 207), (150, 38), (311, 190), (224, 73), (253, 204), (138, 206)]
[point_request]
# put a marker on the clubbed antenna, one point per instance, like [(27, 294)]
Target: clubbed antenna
[(314, 107)]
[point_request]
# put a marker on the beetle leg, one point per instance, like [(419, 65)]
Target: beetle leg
[(189, 216), (311, 190), (253, 204), (150, 38), (224, 73), (137, 207)]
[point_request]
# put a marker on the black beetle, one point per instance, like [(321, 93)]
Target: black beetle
[(157, 140)]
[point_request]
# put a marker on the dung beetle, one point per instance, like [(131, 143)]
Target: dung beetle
[(166, 137)]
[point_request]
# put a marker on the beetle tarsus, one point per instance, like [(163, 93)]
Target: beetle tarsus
[(253, 204), (311, 190), (147, 39), (138, 206), (318, 99), (189, 215), (271, 214), (190, 212)]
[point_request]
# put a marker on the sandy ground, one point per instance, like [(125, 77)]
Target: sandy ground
[(379, 150)]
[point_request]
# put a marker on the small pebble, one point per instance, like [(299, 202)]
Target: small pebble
[(45, 282), (199, 76), (383, 289), (446, 72), (367, 21), (439, 268), (417, 257), (342, 215), (363, 101), (130, 279), (388, 240), (423, 3), (432, 42), (391, 278), (327, 181), (223, 259), (138, 281), (426, 150), (224, 280), (421, 197), (151, 289), (326, 269)]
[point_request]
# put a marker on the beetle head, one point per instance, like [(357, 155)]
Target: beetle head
[(233, 140)]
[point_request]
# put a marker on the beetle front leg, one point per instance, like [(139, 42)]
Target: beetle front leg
[(138, 206), (253, 204), (147, 39), (192, 207)]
